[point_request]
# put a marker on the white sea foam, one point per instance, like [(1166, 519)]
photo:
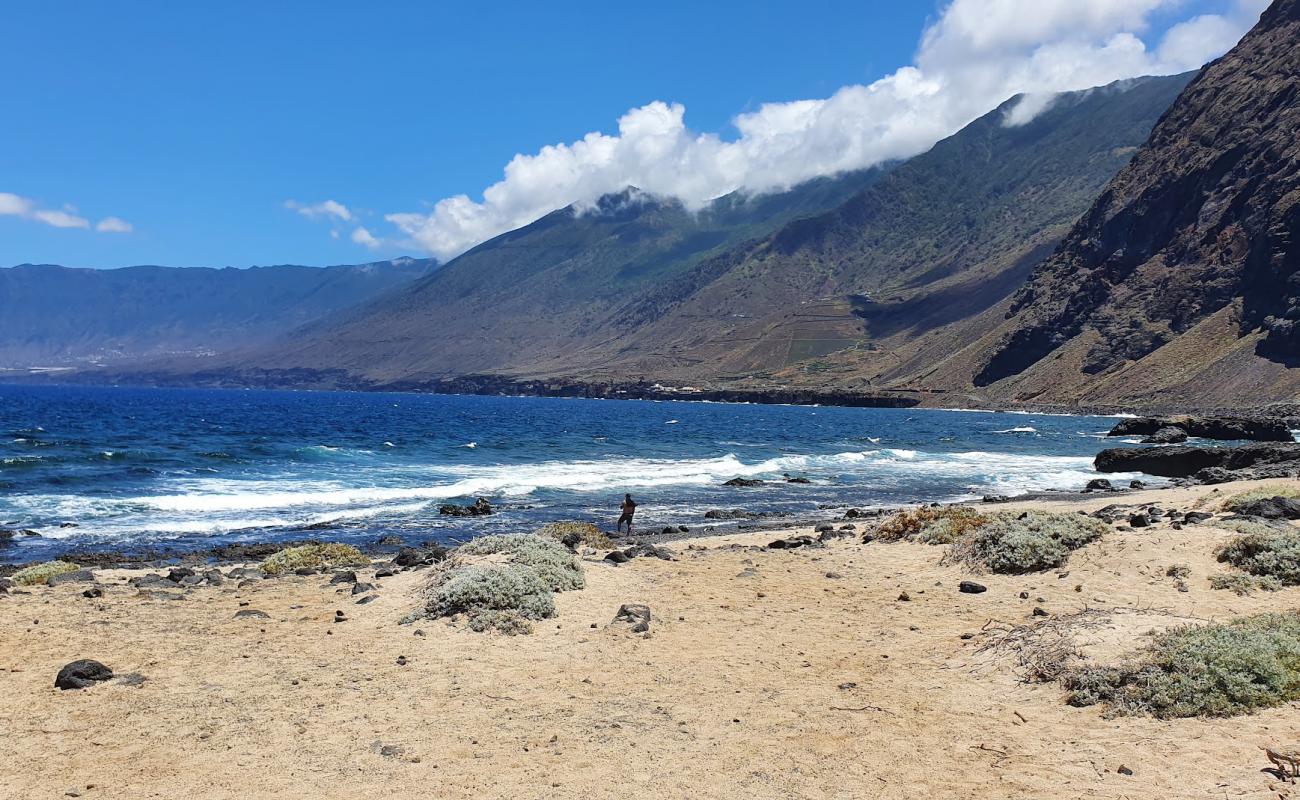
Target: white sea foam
[(1021, 429)]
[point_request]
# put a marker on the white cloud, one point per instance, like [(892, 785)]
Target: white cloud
[(974, 56), (14, 205), (114, 225), (60, 219), (363, 236), (327, 209)]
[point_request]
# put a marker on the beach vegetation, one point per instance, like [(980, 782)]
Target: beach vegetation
[(931, 525), (591, 535), (1242, 585), (502, 583), (1235, 502), (1270, 552), (40, 574), (553, 564), (313, 556), (1027, 542), (1215, 670)]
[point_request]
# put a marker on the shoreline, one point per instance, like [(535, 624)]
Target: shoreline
[(233, 553), (557, 388), (765, 673)]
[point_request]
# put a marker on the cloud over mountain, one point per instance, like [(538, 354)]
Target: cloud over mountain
[(976, 54)]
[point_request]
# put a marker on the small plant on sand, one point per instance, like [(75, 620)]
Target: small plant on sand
[(1028, 542), (1263, 493), (41, 573), (502, 595), (1214, 670), (1242, 585), (511, 623), (313, 556), (1177, 571), (931, 525), (589, 534), (1267, 553)]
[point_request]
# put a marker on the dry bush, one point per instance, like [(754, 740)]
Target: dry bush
[(931, 525), (591, 535), (313, 556), (40, 574)]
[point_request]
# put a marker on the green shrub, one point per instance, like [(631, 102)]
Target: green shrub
[(592, 536), (41, 573), (1244, 584), (931, 525), (1028, 542), (1177, 571), (1271, 552), (553, 563), (1212, 670), (1263, 493), (313, 556), (503, 596), (496, 587)]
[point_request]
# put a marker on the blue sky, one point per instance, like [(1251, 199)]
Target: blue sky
[(196, 123)]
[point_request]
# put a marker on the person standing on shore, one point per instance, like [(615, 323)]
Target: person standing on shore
[(628, 508)]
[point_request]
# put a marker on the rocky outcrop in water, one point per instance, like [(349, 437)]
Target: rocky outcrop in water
[(1257, 429), (1181, 461)]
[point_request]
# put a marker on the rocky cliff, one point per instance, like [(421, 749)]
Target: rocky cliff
[(1182, 281)]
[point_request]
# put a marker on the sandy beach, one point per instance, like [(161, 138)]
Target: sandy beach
[(765, 674)]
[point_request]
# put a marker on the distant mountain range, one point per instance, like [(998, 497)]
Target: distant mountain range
[(60, 317), (843, 282), (1132, 245)]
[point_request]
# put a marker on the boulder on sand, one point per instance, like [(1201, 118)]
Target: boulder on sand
[(82, 674)]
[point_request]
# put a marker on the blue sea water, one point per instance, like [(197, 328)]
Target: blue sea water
[(193, 468)]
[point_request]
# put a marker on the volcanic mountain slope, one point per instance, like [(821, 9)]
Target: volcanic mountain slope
[(750, 289), (1181, 284), (59, 316), (542, 291), (856, 294)]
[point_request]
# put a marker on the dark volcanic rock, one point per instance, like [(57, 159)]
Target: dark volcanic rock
[(416, 556), (80, 576), (251, 613), (971, 587), (735, 513), (344, 577), (1098, 485), (1258, 429), (617, 557), (82, 674), (636, 614), (1182, 461), (479, 508), (1271, 508), (650, 551), (743, 482), (1167, 435), (792, 542)]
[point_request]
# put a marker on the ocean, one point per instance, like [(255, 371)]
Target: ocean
[(115, 468)]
